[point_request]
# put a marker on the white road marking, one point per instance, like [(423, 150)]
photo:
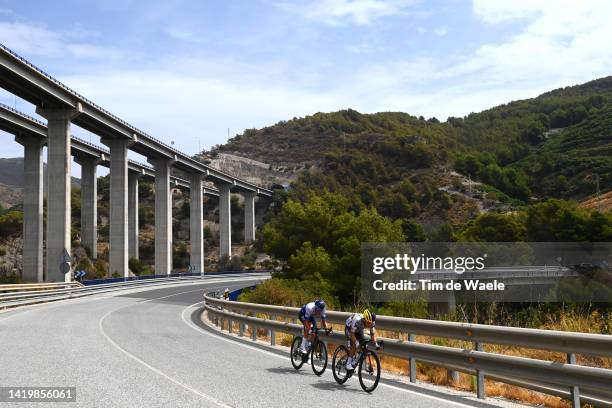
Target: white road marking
[(199, 329), (150, 367)]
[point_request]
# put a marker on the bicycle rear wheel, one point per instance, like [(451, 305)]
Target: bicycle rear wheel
[(296, 357), (339, 360), (369, 371), (318, 357)]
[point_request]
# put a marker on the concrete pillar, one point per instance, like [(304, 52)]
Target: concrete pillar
[(118, 206), (32, 209), (225, 224), (89, 204), (196, 224), (249, 217), (133, 241), (59, 173), (163, 217)]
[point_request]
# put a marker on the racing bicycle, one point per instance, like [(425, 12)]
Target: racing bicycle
[(317, 353), (368, 365)]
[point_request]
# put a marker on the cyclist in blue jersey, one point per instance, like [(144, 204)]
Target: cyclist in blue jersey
[(307, 315)]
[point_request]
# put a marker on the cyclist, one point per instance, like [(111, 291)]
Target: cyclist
[(226, 294), (355, 326), (307, 317)]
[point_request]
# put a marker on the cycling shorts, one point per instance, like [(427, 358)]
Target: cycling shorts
[(359, 335)]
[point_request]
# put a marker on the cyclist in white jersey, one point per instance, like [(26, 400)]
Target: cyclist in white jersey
[(354, 331)]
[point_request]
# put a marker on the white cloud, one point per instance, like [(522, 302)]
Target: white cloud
[(336, 12), (563, 41), (183, 34), (37, 40), (440, 31), (193, 108)]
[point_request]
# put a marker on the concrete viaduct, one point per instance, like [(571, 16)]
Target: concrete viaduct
[(62, 106)]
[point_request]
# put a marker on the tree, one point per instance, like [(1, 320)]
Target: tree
[(11, 224), (413, 231), (324, 228), (494, 227), (562, 221)]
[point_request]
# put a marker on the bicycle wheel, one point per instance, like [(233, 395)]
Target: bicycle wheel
[(369, 371), (339, 360), (296, 357), (318, 357)]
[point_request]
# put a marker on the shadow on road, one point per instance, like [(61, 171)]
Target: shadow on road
[(332, 386), (285, 370)]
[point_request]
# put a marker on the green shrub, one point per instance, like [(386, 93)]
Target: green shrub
[(138, 267), (11, 224), (100, 268)]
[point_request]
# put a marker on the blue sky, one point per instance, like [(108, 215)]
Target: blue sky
[(188, 70)]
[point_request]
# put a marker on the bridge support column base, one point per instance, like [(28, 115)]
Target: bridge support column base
[(225, 221), (163, 217), (89, 204), (133, 239), (59, 166), (32, 209), (118, 231)]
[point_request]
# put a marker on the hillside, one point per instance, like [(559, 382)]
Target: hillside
[(409, 167), (11, 181)]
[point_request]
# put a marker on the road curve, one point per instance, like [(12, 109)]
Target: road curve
[(145, 348)]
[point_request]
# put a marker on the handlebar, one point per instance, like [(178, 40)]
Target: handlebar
[(327, 331)]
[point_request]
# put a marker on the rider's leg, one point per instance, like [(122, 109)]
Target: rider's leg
[(313, 328), (350, 363), (305, 342)]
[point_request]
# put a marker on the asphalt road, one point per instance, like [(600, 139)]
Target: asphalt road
[(147, 348)]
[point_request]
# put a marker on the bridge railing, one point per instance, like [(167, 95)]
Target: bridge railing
[(568, 380)]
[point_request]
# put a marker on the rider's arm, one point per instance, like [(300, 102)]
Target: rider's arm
[(373, 334)]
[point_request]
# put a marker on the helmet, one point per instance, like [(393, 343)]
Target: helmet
[(320, 304), (226, 289), (369, 316)]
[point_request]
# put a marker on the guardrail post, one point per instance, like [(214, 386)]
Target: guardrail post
[(229, 326), (412, 362), (480, 379), (452, 376), (574, 391), (241, 330), (272, 338), (272, 332), (253, 333)]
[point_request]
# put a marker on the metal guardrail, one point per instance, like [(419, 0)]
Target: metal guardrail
[(37, 286), (568, 380), (26, 297)]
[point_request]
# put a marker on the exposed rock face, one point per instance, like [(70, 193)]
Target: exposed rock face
[(256, 172)]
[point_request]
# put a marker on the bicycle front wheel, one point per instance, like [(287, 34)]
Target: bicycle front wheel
[(318, 357), (297, 361), (369, 371), (339, 361)]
